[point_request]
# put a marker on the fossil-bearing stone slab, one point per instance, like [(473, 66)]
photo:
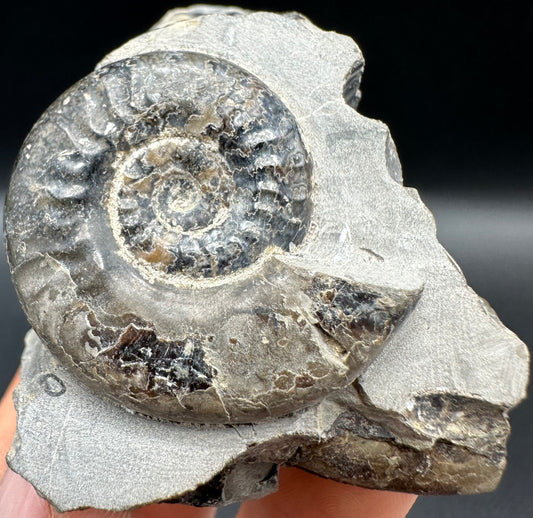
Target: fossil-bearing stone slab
[(224, 273), (84, 443)]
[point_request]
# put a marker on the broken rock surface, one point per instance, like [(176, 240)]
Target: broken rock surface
[(348, 343)]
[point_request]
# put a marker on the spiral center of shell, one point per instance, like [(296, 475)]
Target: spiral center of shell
[(210, 174), (169, 188)]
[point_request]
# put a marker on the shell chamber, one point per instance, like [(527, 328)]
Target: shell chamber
[(147, 220)]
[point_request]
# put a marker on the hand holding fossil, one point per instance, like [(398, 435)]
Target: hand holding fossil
[(300, 494)]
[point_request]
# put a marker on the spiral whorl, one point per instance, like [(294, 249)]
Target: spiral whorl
[(209, 169), (151, 221)]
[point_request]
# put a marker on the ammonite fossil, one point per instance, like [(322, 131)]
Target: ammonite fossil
[(147, 220), (205, 231)]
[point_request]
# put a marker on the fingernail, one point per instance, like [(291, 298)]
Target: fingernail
[(18, 499)]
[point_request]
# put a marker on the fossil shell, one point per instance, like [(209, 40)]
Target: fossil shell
[(215, 127), (149, 219)]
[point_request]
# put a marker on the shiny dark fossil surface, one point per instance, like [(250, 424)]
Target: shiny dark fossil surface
[(221, 238), (205, 166), (147, 221)]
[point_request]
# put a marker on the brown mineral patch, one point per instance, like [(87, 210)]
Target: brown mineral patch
[(199, 122), (317, 369), (158, 255), (283, 382), (304, 381), (144, 185)]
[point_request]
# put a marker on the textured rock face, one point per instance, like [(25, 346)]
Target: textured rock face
[(207, 232), (184, 177)]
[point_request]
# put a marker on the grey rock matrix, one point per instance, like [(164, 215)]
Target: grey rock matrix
[(224, 273)]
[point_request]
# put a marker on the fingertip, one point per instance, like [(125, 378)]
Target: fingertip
[(18, 499), (174, 511), (149, 511), (8, 422), (304, 494)]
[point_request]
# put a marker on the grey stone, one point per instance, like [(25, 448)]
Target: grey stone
[(79, 450), (171, 180), (347, 342)]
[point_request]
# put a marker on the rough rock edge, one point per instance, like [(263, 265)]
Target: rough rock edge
[(313, 459), (370, 448), (362, 445)]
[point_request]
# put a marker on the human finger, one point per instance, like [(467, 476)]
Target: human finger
[(310, 496), (8, 423), (150, 511), (18, 498)]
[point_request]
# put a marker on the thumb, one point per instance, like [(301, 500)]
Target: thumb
[(19, 499)]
